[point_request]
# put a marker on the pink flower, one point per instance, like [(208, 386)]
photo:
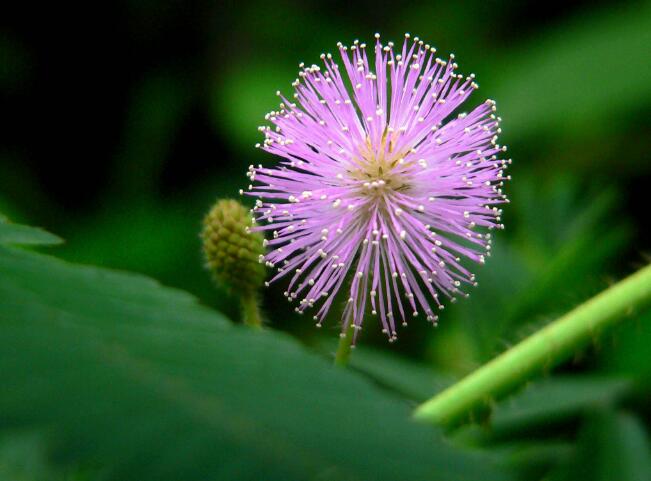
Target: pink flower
[(379, 179)]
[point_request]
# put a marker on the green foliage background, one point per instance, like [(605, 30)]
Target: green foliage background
[(122, 129)]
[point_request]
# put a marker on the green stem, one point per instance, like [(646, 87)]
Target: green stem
[(251, 311), (345, 345), (542, 350)]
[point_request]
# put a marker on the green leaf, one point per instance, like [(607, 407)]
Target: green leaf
[(556, 399), (532, 460), (612, 446), (545, 405), (18, 234), (24, 457), (139, 239), (414, 380), (144, 382)]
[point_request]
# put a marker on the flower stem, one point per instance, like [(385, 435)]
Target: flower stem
[(542, 350), (251, 311), (345, 345)]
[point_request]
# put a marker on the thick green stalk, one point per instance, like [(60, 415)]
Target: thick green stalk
[(542, 350), (345, 346), (251, 311)]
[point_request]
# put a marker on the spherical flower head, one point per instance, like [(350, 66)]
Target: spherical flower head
[(379, 179)]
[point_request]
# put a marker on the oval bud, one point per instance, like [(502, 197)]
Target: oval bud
[(231, 251)]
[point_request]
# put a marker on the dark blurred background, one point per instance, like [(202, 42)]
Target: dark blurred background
[(123, 121)]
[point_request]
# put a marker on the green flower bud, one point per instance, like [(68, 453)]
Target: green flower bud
[(231, 251)]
